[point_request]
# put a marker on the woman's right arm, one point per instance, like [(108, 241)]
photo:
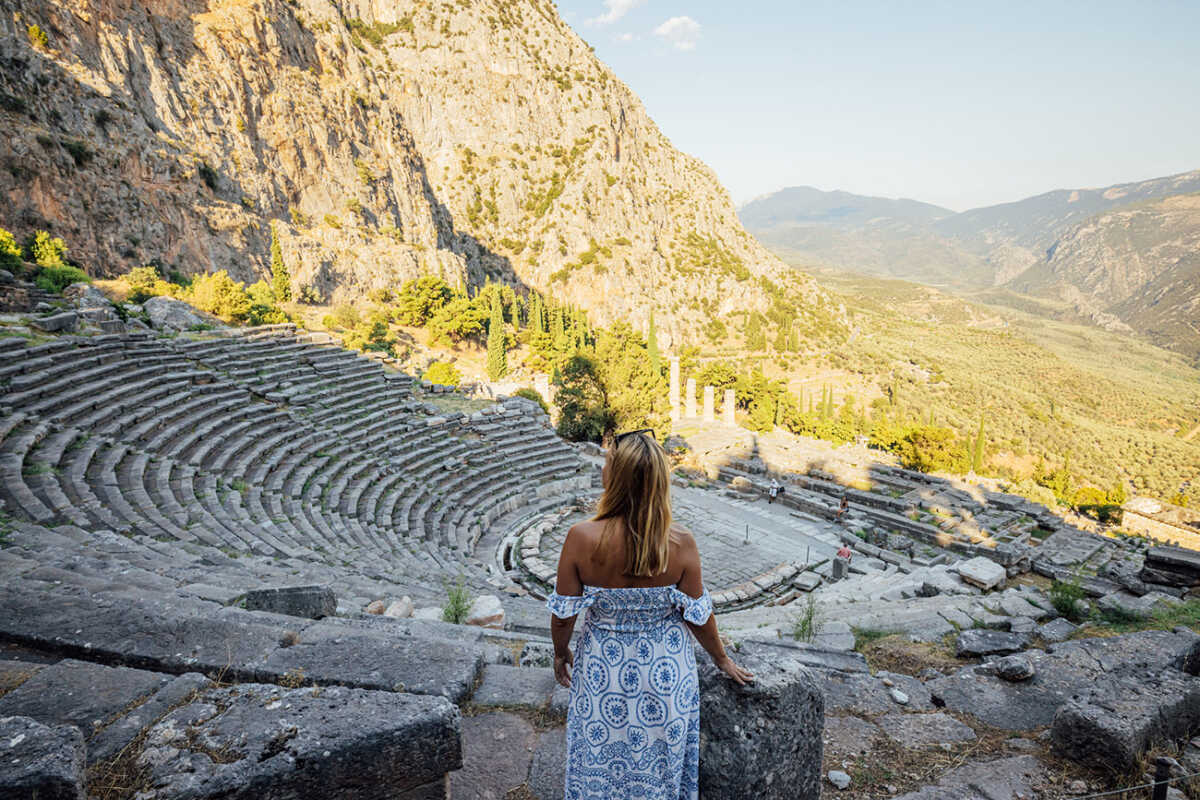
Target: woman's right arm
[(567, 582), (691, 583)]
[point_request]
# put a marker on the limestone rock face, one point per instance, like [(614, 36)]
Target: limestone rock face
[(382, 141), (167, 313)]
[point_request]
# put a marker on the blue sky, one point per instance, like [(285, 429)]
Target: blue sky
[(961, 104)]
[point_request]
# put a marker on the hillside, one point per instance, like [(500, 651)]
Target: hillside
[(1122, 257), (474, 141)]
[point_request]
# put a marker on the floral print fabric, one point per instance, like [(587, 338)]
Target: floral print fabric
[(633, 723)]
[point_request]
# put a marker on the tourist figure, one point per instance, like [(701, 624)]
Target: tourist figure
[(633, 721), (846, 553), (843, 508), (773, 491)]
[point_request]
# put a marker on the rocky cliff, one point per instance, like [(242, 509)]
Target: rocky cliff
[(473, 140)]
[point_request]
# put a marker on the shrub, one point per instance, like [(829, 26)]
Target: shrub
[(1066, 596), (38, 37), (458, 603), (442, 373), (221, 295), (10, 253), (145, 282), (532, 394), (308, 295), (807, 625), (55, 279), (45, 250)]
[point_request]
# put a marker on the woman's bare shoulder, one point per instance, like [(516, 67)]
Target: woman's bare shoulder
[(589, 530)]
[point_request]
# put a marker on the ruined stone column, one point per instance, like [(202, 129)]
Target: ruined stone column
[(690, 400), (730, 402), (708, 405), (673, 390)]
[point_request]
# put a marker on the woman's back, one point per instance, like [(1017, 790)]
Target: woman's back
[(602, 556)]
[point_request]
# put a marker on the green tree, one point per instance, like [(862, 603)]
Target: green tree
[(462, 319), (221, 295), (977, 451), (420, 299), (756, 339), (442, 373), (281, 280), (497, 356), (652, 348), (583, 412)]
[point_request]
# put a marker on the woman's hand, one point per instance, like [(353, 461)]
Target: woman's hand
[(562, 668), (739, 675)]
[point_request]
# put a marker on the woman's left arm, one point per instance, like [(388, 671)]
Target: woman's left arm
[(566, 583)]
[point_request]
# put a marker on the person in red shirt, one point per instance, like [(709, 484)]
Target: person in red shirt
[(845, 552)]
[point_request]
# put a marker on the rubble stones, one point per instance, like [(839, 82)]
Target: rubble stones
[(313, 602), (839, 779), (40, 761), (1013, 668), (400, 609), (486, 612)]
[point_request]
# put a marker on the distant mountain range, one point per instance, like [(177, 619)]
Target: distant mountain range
[(1126, 257)]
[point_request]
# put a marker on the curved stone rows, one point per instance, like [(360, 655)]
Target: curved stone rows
[(268, 442)]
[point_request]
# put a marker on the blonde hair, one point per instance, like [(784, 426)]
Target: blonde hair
[(638, 492)]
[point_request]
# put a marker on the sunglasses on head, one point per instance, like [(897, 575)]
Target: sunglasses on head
[(617, 439)]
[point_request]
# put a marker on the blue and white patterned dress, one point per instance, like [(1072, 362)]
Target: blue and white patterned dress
[(633, 723)]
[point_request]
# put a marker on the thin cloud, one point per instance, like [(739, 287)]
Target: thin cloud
[(681, 32), (626, 37), (616, 10)]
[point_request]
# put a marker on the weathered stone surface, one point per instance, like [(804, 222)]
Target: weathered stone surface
[(313, 602), (548, 770), (40, 762), (924, 730), (1001, 779), (88, 696), (166, 313), (506, 686), (863, 693), (486, 612), (1113, 721), (847, 736), (1125, 573), (497, 749), (761, 740), (118, 734), (63, 322), (1129, 604), (1178, 560), (982, 572), (338, 743), (1057, 630), (984, 642)]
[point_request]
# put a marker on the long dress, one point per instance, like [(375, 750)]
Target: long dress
[(633, 722)]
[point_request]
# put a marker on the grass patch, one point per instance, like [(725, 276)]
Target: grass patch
[(1067, 597), (1105, 623), (892, 652), (808, 624)]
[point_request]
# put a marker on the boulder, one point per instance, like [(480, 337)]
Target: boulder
[(982, 572), (400, 609), (1057, 630), (1013, 668), (762, 740), (984, 642), (313, 602), (377, 607), (40, 761), (839, 779), (167, 313), (63, 322), (84, 295), (486, 612)]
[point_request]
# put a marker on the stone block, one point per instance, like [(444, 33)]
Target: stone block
[(63, 322), (976, 642), (806, 581), (505, 686), (1128, 604), (982, 572), (1057, 630), (1115, 721), (924, 730), (313, 602), (486, 612), (762, 740), (40, 761), (336, 743)]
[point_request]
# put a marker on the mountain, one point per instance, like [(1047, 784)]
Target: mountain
[(1123, 257), (476, 140), (875, 235)]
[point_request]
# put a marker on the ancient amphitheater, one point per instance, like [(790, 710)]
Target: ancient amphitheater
[(202, 529)]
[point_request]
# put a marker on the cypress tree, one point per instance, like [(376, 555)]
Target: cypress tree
[(977, 456), (497, 357), (281, 282), (652, 349), (515, 311), (537, 319)]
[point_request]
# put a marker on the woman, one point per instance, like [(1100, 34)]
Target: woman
[(633, 722)]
